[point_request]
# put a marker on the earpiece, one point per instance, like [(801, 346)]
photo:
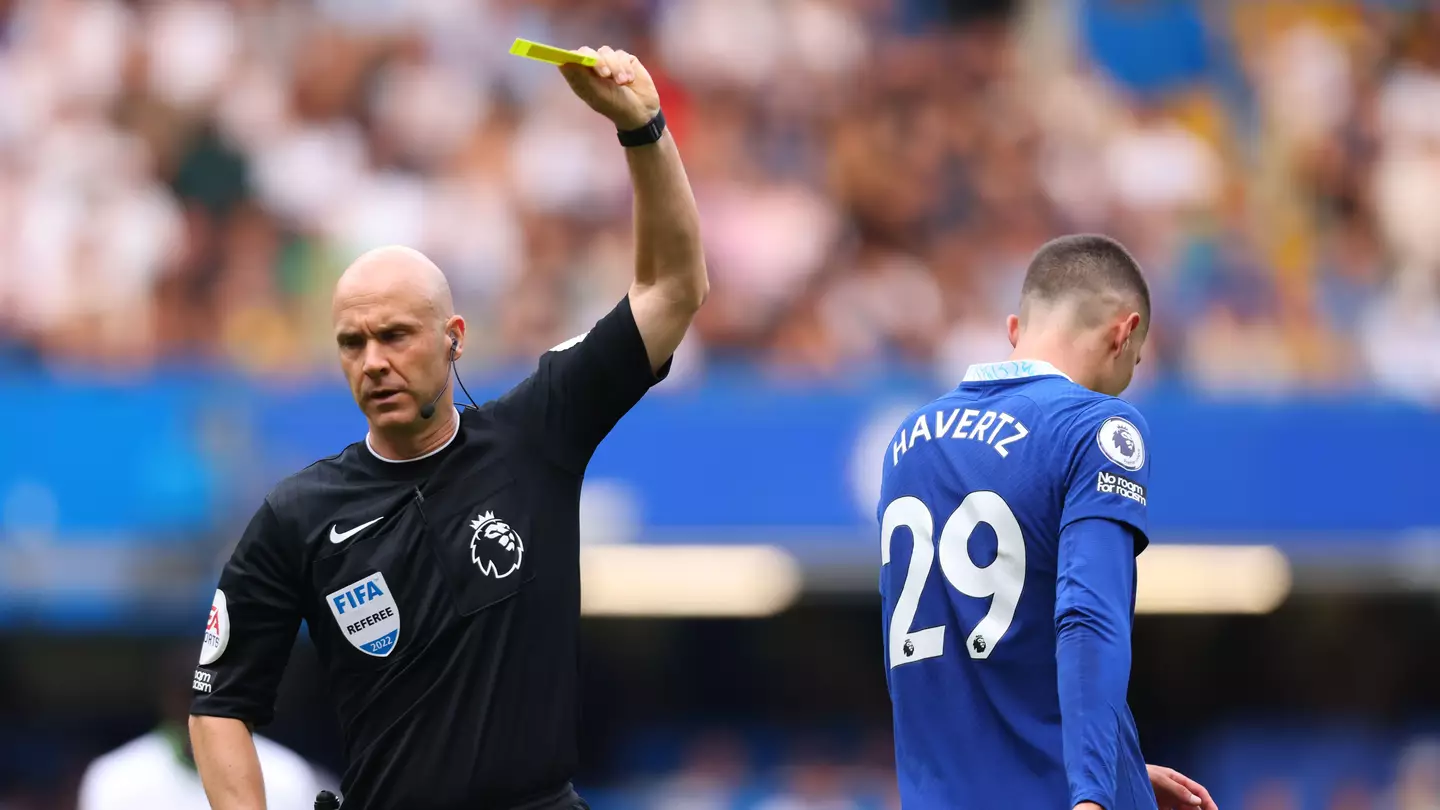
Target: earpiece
[(428, 410)]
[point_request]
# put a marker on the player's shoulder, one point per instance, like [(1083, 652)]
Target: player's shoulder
[(1086, 409), (1113, 425)]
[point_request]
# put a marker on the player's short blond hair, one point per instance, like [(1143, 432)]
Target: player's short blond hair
[(1093, 271)]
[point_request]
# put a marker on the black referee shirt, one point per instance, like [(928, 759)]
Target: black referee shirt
[(442, 594)]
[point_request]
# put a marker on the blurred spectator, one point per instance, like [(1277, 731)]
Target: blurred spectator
[(1351, 796), (158, 769), (714, 768), (1273, 794), (1417, 783), (182, 180), (814, 781)]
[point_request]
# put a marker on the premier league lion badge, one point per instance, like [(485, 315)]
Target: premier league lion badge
[(1121, 442), (495, 547)]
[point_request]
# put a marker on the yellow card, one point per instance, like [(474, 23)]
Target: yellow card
[(550, 54)]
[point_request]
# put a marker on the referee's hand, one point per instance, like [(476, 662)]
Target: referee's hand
[(618, 87)]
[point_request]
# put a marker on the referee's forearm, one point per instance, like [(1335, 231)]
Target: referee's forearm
[(667, 223), (228, 764)]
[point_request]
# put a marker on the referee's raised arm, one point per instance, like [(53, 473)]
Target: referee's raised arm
[(584, 386), (670, 281)]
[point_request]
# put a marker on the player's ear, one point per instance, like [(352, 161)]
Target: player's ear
[(1012, 327), (1123, 333), (1132, 331)]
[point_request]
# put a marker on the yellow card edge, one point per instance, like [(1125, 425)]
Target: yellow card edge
[(521, 47)]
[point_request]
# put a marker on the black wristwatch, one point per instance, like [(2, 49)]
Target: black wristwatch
[(650, 133)]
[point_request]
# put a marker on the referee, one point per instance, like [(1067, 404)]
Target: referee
[(436, 563)]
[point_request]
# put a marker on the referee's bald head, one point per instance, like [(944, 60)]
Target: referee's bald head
[(397, 272), (394, 321)]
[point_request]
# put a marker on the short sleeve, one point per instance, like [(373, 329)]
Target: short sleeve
[(1110, 468), (251, 626), (583, 387)]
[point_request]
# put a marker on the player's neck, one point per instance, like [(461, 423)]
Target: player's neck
[(1057, 356), (412, 446)]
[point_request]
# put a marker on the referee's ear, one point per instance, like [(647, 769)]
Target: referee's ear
[(454, 335)]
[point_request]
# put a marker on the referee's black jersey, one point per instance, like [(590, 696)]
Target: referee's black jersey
[(442, 593)]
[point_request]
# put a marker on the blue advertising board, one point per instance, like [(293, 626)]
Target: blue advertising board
[(722, 461), (117, 513)]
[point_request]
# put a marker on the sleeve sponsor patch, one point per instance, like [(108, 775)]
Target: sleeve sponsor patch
[(1122, 443), (1109, 483), (217, 631)]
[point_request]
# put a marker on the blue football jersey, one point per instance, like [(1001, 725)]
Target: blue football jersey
[(977, 487)]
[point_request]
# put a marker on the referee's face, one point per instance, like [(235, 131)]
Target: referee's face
[(393, 350)]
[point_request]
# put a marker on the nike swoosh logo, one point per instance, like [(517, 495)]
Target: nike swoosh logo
[(340, 537)]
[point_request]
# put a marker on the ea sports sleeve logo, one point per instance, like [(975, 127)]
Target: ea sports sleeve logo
[(217, 630), (495, 547), (1122, 443)]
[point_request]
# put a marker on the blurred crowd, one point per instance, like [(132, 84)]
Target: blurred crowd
[(718, 772), (718, 769), (723, 771), (182, 180)]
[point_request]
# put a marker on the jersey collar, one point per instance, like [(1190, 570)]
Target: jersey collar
[(448, 442), (1011, 370)]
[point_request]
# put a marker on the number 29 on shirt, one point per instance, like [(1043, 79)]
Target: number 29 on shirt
[(1002, 579)]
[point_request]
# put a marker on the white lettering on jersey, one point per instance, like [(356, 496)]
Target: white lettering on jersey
[(367, 615), (1020, 432), (1111, 484), (921, 427), (217, 630), (994, 428), (967, 419), (1005, 419), (202, 681), (983, 425), (941, 426), (981, 430)]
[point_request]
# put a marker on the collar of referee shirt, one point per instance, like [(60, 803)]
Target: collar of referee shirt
[(455, 431), (1011, 370)]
